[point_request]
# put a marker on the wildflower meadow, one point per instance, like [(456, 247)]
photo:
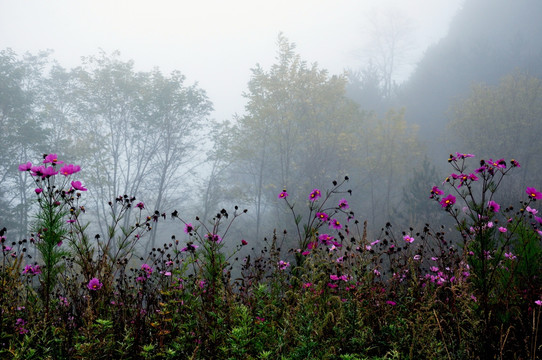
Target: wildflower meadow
[(470, 291)]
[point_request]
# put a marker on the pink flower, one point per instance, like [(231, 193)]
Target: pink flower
[(140, 206), (283, 194), (503, 229), (25, 167), (409, 239), (464, 156), (434, 269), (53, 159), (510, 256), (307, 285), (188, 228), (243, 242), (448, 201), (335, 224), (38, 190), (493, 206), (283, 265), (315, 195), (214, 237), (392, 303), (333, 286), (69, 169), (343, 204), (417, 257), (322, 216), (531, 210), (325, 238), (48, 172), (334, 277), (514, 163), (78, 186), (533, 193), (147, 269), (94, 284), (538, 302), (435, 191)]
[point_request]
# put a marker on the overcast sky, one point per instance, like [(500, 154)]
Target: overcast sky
[(216, 43)]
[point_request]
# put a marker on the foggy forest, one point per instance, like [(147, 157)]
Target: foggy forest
[(359, 214)]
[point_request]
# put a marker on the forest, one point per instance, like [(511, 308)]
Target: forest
[(340, 216)]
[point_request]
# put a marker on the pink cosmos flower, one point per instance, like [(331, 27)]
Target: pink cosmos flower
[(307, 285), (343, 204), (325, 238), (53, 159), (78, 186), (315, 195), (334, 277), (25, 167), (322, 216), (48, 172), (533, 193), (38, 190), (69, 169), (538, 302), (140, 206), (392, 303), (531, 210), (435, 191), (335, 224), (214, 237), (493, 206), (503, 229), (448, 201), (283, 265), (243, 242), (510, 256), (514, 163), (283, 194), (94, 284), (188, 228), (417, 257), (147, 269), (409, 239)]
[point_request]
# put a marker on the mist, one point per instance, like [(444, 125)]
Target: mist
[(205, 107)]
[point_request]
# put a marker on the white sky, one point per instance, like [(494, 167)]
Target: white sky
[(216, 43)]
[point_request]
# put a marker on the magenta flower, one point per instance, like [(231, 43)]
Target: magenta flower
[(325, 238), (32, 270), (244, 242), (464, 156), (493, 206), (343, 204), (69, 169), (38, 190), (140, 206), (322, 216), (335, 224), (25, 167), (37, 170), (334, 277), (538, 302), (48, 172), (531, 210), (315, 194), (78, 186), (392, 303), (503, 229), (147, 269), (214, 237), (533, 193), (435, 191), (94, 284), (283, 265), (409, 239), (448, 201), (188, 228), (53, 159), (514, 163), (283, 194)]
